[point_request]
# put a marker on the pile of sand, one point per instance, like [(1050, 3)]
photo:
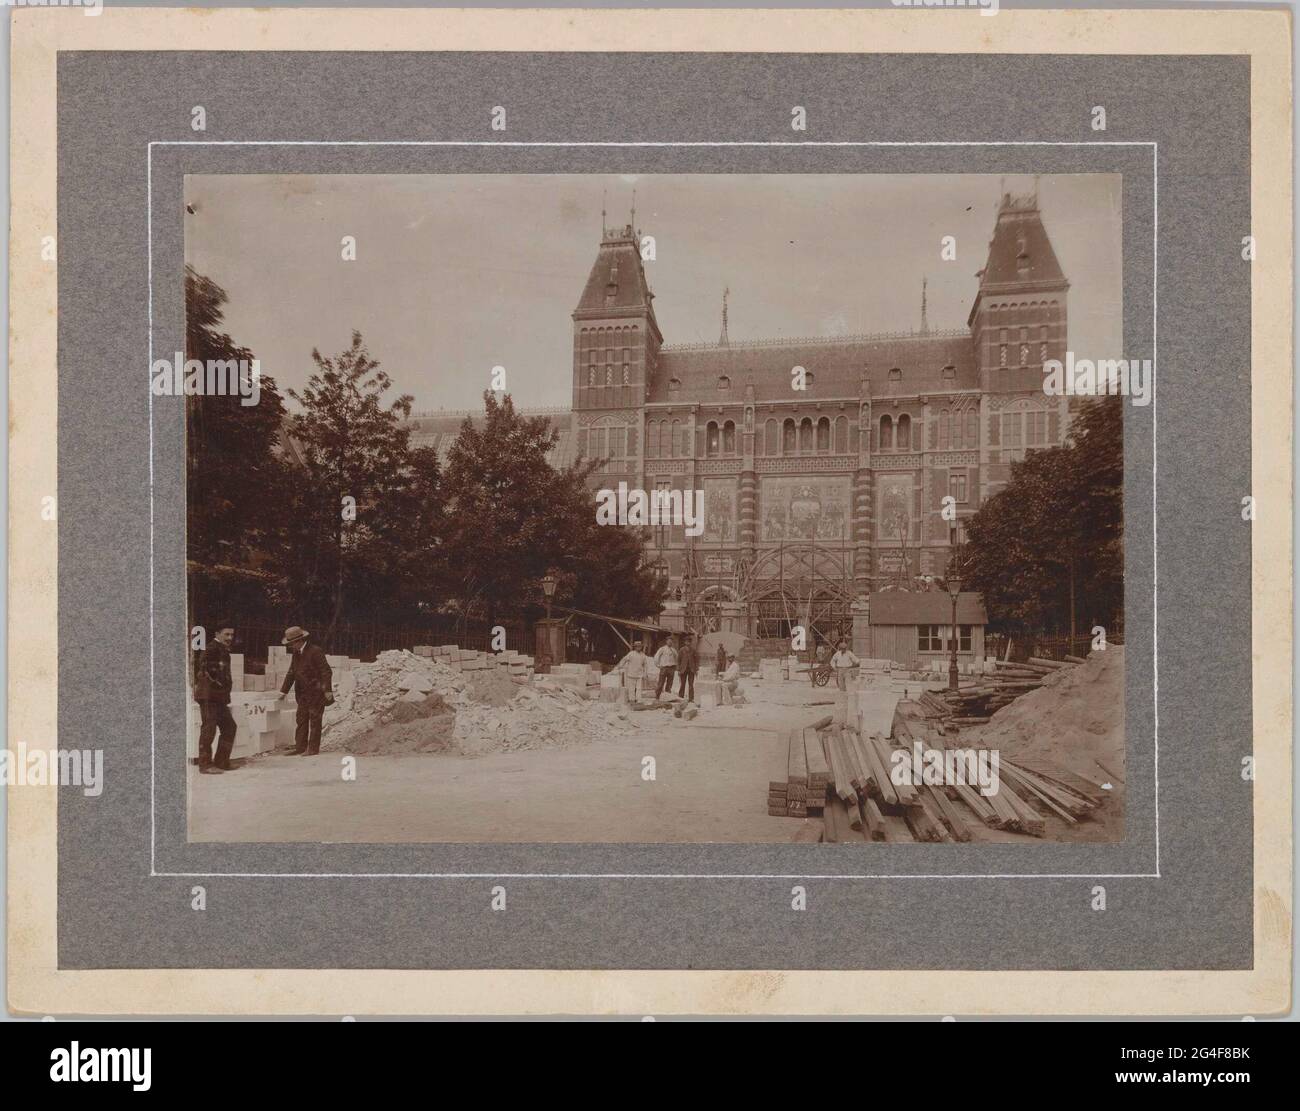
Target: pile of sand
[(406, 703), (1075, 719)]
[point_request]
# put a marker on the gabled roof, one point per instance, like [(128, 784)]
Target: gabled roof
[(837, 366), (928, 607)]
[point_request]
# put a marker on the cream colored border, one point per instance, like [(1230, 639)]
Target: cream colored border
[(36, 985)]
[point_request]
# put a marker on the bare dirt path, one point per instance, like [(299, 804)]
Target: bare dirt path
[(710, 784)]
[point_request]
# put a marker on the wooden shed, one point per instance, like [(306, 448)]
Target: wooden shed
[(915, 628)]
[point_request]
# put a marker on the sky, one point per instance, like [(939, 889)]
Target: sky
[(458, 273)]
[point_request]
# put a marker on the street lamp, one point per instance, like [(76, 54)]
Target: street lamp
[(548, 589), (954, 589)]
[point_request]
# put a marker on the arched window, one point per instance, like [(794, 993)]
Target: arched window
[(711, 438), (806, 435), (950, 374), (652, 439), (841, 435), (729, 438), (886, 433), (724, 383), (895, 380), (674, 384), (972, 429), (945, 422), (904, 433), (677, 445), (824, 434), (772, 437), (787, 437)]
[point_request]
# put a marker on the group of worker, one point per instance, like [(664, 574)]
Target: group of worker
[(309, 678), (676, 657)]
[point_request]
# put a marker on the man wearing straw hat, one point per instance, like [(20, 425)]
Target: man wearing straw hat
[(313, 685)]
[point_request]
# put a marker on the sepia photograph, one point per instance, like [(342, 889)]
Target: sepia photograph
[(654, 508)]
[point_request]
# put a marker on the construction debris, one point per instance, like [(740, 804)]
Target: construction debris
[(491, 701)]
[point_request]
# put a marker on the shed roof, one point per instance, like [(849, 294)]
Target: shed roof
[(930, 607)]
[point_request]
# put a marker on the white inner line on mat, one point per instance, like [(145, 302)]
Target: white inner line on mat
[(1155, 623)]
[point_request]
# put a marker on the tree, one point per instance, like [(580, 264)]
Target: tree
[(511, 516), (355, 477), (234, 476), (1047, 550)]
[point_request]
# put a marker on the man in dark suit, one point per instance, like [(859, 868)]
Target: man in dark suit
[(212, 684), (312, 683), (688, 663)]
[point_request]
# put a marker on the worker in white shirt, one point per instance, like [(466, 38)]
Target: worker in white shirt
[(731, 676), (634, 668), (666, 662), (842, 663)]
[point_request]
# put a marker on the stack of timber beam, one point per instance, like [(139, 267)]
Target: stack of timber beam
[(858, 799), (803, 791), (974, 705)]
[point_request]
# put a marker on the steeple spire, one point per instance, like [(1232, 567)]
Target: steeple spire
[(722, 339)]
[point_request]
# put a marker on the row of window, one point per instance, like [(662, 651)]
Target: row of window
[(672, 439), (937, 638), (805, 437), (610, 376), (1032, 426)]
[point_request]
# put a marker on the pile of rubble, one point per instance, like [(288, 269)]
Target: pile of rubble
[(404, 702)]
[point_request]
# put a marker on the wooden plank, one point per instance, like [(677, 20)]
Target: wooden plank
[(1062, 779), (950, 815), (874, 819), (1027, 818), (896, 828), (830, 835), (1061, 797), (798, 763), (919, 822), (1075, 660), (1051, 665), (843, 830), (978, 804), (854, 813), (884, 757), (819, 772)]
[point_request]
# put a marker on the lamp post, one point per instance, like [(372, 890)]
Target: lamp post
[(548, 590), (954, 589)]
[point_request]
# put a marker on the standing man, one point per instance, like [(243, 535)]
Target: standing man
[(688, 663), (666, 662), (633, 666), (842, 663), (212, 684), (722, 659), (312, 683)]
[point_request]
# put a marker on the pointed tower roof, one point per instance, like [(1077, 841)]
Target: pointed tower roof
[(617, 284), (1020, 254), (1020, 251)]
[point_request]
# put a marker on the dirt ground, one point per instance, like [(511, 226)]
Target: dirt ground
[(710, 784)]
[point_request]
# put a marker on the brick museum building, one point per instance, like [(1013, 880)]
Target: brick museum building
[(815, 498)]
